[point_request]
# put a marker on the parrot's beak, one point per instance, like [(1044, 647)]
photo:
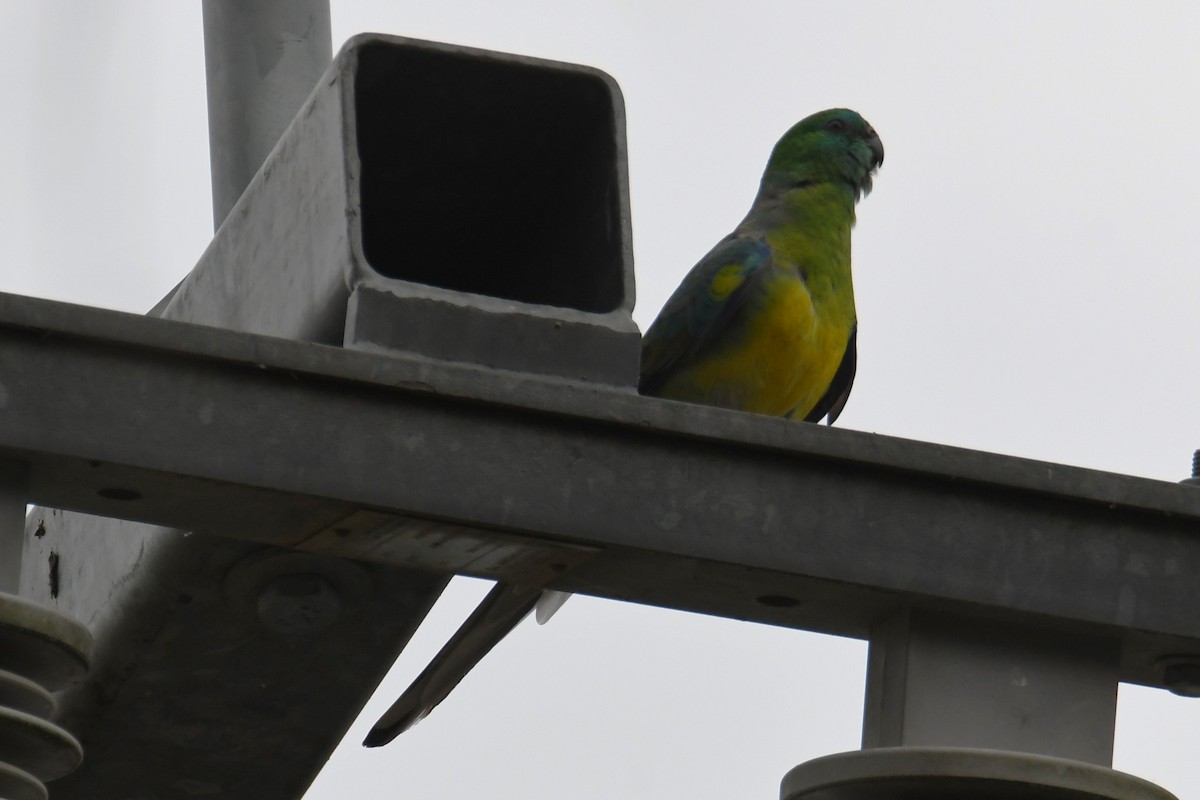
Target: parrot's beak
[(876, 145)]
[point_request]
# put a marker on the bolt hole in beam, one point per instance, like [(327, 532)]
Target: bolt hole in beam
[(119, 493), (1181, 674), (777, 601), (487, 176)]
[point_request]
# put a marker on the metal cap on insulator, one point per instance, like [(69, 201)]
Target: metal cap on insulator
[(952, 773)]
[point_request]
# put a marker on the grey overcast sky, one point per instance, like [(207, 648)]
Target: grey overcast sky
[(1025, 275)]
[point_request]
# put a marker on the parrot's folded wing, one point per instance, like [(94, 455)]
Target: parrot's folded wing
[(503, 608), (697, 313)]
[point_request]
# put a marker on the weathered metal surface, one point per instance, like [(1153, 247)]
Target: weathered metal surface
[(477, 200), (200, 676), (683, 506), (494, 332)]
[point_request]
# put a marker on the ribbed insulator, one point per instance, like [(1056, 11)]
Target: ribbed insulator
[(41, 651)]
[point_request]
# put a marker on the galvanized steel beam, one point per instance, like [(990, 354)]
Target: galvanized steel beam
[(451, 467)]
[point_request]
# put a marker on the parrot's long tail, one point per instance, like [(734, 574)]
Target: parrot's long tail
[(499, 612)]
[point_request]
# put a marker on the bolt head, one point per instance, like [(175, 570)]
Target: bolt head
[(298, 604)]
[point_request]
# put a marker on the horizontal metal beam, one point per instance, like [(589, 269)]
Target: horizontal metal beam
[(450, 467)]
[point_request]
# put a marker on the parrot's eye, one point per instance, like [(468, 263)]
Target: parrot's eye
[(835, 126)]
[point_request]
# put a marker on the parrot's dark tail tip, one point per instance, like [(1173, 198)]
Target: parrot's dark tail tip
[(378, 737), (389, 727)]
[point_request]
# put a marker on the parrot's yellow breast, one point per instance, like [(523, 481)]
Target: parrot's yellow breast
[(780, 356)]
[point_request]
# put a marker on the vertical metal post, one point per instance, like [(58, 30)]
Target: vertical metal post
[(262, 58), (14, 486), (938, 681)]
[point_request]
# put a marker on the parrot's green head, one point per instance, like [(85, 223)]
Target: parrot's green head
[(837, 145)]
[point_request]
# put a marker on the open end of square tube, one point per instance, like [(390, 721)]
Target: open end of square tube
[(489, 176)]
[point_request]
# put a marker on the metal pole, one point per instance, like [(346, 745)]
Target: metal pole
[(263, 58), (14, 493)]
